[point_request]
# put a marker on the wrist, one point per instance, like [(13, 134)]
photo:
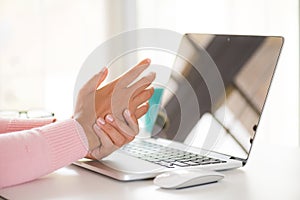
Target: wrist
[(91, 139), (82, 135)]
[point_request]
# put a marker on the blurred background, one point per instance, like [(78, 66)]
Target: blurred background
[(43, 44)]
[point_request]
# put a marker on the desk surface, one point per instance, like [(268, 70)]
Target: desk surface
[(271, 173)]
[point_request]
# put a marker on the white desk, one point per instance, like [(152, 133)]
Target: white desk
[(271, 173)]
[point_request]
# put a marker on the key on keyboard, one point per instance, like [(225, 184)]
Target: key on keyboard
[(166, 156)]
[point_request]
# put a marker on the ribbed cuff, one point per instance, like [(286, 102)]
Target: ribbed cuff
[(67, 142)]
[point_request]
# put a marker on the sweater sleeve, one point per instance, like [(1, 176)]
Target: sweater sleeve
[(11, 125), (29, 154)]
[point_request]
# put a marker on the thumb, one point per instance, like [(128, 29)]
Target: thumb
[(95, 81)]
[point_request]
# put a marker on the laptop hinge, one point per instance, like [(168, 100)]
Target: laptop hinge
[(239, 159)]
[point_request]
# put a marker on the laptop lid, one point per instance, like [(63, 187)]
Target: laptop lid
[(215, 93)]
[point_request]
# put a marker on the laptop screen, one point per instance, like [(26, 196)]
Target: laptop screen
[(215, 94)]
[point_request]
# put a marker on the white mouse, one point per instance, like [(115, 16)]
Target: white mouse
[(186, 178)]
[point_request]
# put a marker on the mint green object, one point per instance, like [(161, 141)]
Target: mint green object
[(154, 106)]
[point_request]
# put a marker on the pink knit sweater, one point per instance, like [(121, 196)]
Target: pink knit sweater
[(30, 149)]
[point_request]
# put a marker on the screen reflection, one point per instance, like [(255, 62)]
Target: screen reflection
[(226, 123)]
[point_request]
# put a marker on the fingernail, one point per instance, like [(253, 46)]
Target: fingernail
[(127, 113), (109, 118), (101, 121), (145, 61), (96, 126)]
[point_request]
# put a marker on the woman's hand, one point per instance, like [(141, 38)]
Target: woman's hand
[(103, 102), (115, 125), (85, 112), (122, 93), (111, 139)]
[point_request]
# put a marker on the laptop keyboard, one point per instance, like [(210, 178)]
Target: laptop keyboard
[(166, 156)]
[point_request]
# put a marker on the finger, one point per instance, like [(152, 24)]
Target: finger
[(139, 90), (95, 81), (95, 153), (106, 147), (105, 139), (116, 137), (141, 98), (142, 110), (143, 82), (125, 131), (132, 74), (131, 120), (124, 127)]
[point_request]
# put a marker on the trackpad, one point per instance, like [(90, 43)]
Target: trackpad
[(122, 162)]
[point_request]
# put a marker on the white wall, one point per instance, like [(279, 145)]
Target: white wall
[(42, 47), (43, 44)]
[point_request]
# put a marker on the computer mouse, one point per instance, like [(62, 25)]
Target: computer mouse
[(182, 178)]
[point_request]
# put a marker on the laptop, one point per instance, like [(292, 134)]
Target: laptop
[(206, 114)]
